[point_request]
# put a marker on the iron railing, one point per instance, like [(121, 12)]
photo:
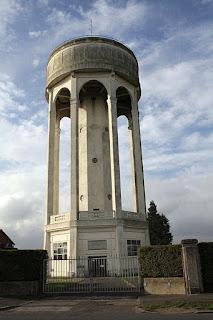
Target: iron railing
[(92, 274)]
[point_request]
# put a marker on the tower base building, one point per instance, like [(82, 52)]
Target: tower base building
[(93, 81)]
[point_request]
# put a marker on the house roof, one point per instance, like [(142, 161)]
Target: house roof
[(2, 233)]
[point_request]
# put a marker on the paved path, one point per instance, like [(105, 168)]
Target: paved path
[(123, 309), (96, 308), (98, 284)]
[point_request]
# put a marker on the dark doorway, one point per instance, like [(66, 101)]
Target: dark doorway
[(97, 266)]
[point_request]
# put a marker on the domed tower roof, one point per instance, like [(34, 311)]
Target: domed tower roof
[(92, 54)]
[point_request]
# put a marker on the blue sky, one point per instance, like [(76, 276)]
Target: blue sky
[(173, 42)]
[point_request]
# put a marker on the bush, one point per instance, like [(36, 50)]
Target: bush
[(160, 261), (206, 261), (21, 265)]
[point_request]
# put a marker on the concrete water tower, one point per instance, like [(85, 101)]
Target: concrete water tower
[(93, 81)]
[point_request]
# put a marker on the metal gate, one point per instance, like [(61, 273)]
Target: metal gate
[(92, 274)]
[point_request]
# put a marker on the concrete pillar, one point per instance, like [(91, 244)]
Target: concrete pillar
[(121, 243), (191, 266), (135, 205), (114, 155), (74, 151), (56, 165), (136, 160), (50, 158), (47, 243), (74, 244)]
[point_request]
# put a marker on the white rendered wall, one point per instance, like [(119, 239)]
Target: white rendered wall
[(107, 234)]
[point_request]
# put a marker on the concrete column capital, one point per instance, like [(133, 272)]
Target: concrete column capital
[(112, 74), (49, 90), (112, 100), (190, 242)]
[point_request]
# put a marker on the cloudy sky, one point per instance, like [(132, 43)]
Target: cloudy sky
[(173, 42)]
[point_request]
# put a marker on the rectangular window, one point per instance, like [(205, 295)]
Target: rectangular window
[(132, 247), (60, 250)]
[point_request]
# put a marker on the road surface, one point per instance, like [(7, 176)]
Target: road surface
[(92, 310)]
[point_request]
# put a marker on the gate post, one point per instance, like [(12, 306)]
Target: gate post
[(191, 266), (44, 275)]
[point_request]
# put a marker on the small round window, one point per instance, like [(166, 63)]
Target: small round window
[(82, 197), (109, 196), (94, 160)]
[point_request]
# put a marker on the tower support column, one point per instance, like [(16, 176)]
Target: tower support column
[(56, 164), (114, 156), (74, 151), (50, 159), (136, 158), (50, 167)]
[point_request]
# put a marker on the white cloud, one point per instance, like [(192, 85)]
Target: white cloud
[(177, 107), (196, 141), (29, 145), (7, 86), (10, 10), (35, 34), (36, 62), (23, 181), (22, 108), (10, 98), (204, 2), (42, 3), (186, 201), (105, 18), (27, 216)]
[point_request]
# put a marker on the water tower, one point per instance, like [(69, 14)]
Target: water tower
[(94, 80)]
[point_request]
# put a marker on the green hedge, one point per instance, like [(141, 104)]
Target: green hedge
[(206, 260), (160, 261), (21, 265)]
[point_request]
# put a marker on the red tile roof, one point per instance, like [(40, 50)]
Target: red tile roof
[(5, 240)]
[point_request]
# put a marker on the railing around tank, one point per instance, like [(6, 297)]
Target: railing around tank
[(60, 218), (99, 214), (130, 215)]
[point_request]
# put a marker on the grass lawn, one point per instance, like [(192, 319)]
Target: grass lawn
[(199, 305)]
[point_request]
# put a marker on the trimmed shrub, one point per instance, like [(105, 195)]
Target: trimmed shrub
[(206, 261), (160, 261), (21, 265)]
